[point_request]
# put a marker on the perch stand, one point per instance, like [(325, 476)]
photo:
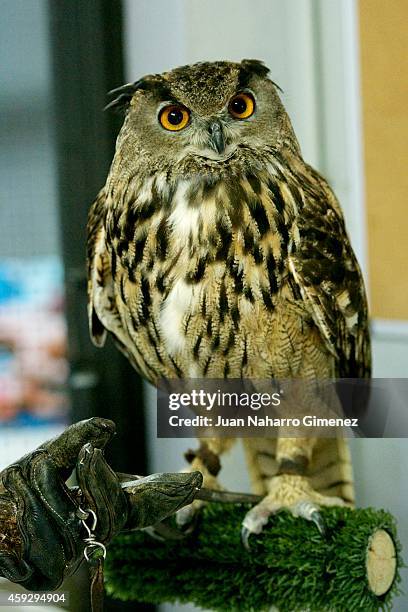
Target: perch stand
[(354, 566)]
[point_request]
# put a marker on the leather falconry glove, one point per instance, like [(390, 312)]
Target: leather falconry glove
[(41, 530)]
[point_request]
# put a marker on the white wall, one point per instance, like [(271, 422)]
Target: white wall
[(311, 47)]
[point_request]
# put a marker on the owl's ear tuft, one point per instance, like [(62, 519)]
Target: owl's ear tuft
[(255, 66), (251, 67), (123, 96)]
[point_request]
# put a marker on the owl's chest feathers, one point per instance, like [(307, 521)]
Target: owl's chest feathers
[(207, 273)]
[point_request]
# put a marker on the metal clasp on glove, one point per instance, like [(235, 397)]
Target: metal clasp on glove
[(95, 560), (92, 544)]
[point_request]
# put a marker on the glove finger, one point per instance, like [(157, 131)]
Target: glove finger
[(102, 492), (13, 568), (45, 480), (65, 448), (155, 497), (43, 548)]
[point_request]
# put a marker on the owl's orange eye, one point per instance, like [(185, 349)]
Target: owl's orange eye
[(174, 117), (242, 106)]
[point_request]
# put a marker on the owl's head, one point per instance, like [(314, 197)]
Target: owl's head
[(211, 117)]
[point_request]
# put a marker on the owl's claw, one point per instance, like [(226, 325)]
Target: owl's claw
[(186, 518), (319, 522), (293, 494), (310, 511), (254, 522), (257, 518), (245, 533)]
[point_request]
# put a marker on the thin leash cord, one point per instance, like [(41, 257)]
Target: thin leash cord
[(227, 497), (203, 493)]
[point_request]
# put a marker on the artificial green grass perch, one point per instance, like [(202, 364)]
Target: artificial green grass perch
[(354, 566)]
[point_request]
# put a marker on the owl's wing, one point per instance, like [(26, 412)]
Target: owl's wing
[(102, 312), (325, 270)]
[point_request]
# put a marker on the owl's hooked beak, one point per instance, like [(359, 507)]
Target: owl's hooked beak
[(217, 140)]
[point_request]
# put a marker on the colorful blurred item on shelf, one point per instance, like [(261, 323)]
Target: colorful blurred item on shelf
[(33, 363)]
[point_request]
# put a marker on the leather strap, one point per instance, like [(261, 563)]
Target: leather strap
[(97, 587)]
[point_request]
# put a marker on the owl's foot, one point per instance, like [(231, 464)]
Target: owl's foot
[(187, 516), (292, 493)]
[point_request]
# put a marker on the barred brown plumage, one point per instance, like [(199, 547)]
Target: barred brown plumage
[(228, 259)]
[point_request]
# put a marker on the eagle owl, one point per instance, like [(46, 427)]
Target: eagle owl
[(215, 250)]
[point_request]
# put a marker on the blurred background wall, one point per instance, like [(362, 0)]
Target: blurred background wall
[(341, 64), (384, 65), (33, 362)]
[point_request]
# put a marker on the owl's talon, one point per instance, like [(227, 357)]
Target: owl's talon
[(245, 533), (295, 495), (310, 511), (319, 522), (254, 521), (186, 518)]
